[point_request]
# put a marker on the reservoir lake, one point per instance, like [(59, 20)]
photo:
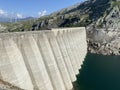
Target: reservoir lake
[(99, 72)]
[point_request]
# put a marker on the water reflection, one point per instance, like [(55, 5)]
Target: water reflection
[(99, 73)]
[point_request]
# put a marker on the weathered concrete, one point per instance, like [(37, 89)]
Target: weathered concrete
[(42, 60)]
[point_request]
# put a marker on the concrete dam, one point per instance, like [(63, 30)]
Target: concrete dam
[(42, 60)]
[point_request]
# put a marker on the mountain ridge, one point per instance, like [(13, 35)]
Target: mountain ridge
[(80, 14)]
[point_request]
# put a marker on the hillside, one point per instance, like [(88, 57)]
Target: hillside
[(81, 14), (96, 12), (100, 13)]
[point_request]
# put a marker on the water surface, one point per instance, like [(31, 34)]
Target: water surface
[(99, 72)]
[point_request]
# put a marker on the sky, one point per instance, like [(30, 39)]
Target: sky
[(34, 8)]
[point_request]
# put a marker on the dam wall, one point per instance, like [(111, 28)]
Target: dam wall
[(42, 60)]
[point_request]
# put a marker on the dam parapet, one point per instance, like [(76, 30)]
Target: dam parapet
[(42, 60)]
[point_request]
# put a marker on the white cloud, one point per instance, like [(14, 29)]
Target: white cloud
[(19, 15), (42, 13), (2, 12)]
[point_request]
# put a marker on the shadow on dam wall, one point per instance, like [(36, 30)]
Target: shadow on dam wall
[(42, 60)]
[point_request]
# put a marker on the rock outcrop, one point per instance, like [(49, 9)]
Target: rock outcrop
[(104, 41)]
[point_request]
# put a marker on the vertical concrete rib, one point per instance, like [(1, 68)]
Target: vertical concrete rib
[(34, 63), (81, 42), (59, 60), (50, 62), (12, 67), (73, 37), (73, 49), (73, 61), (65, 56)]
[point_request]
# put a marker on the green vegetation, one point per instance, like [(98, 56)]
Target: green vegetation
[(115, 3), (18, 26)]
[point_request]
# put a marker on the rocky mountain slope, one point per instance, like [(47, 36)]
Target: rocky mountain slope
[(81, 14), (100, 13), (104, 34)]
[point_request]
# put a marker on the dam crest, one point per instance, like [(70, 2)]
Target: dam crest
[(42, 60)]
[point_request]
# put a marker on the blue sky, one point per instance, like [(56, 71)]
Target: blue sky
[(33, 7)]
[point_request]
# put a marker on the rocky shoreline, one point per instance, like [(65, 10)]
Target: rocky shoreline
[(105, 49), (104, 42)]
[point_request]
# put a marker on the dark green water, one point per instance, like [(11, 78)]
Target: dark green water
[(99, 73)]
